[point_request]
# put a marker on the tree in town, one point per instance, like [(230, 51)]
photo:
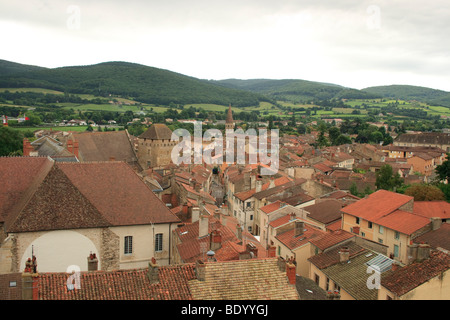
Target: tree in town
[(386, 179), (425, 192)]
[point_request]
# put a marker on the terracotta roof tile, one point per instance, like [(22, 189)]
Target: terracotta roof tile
[(403, 222), (252, 279), (410, 277), (439, 238), (120, 285), (116, 190), (377, 205), (331, 239), (431, 209), (291, 241)]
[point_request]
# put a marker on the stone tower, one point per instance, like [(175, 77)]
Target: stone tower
[(155, 147), (229, 123)]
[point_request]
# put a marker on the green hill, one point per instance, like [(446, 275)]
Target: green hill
[(141, 83), (296, 90), (8, 68), (407, 92)]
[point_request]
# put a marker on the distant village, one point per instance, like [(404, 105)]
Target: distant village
[(109, 216)]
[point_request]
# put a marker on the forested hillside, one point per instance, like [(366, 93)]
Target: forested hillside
[(405, 92), (129, 80), (297, 91)]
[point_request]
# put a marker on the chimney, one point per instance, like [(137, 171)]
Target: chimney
[(239, 232), (271, 252), (92, 262), (247, 180), (298, 229), (436, 223), (252, 181), (394, 266), (112, 158), (27, 147), (290, 271), (200, 271), (70, 145), (75, 148), (195, 214), (216, 240), (153, 271), (30, 276), (259, 185), (185, 209), (423, 252), (272, 183), (217, 214), (197, 187), (344, 255), (203, 226)]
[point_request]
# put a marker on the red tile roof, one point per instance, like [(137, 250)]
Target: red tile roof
[(292, 242), (120, 285), (39, 194), (439, 238), (431, 209), (404, 222), (377, 205), (331, 239), (405, 279), (17, 175), (116, 190), (272, 206)]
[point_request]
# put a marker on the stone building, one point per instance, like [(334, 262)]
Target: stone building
[(155, 147)]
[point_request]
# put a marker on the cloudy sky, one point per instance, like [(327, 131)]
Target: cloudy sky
[(354, 43)]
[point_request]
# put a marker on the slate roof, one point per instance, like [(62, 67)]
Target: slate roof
[(252, 279)]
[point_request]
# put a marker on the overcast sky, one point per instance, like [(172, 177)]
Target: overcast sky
[(354, 43)]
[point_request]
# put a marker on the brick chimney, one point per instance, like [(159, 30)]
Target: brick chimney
[(75, 148), (92, 262), (27, 147), (30, 276), (290, 271), (271, 252), (70, 145), (344, 255), (216, 240), (153, 271)]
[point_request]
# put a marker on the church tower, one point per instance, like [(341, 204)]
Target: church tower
[(229, 123)]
